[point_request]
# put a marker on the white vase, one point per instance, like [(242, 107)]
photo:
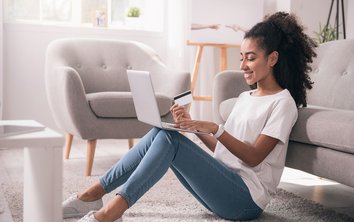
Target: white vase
[(133, 22)]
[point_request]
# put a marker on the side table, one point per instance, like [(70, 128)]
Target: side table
[(43, 174)]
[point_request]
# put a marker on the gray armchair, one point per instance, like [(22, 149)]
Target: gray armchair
[(88, 90)]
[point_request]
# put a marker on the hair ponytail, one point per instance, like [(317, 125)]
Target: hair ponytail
[(282, 33)]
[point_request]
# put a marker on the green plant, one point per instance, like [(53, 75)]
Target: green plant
[(133, 12), (326, 34)]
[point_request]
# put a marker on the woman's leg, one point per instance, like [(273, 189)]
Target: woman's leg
[(213, 184), (218, 188), (120, 172), (138, 171)]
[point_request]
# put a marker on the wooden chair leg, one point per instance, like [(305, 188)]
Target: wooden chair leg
[(68, 143), (130, 143), (91, 147)]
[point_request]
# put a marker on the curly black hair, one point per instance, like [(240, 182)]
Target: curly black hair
[(282, 32)]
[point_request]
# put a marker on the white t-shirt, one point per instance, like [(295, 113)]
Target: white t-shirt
[(272, 115)]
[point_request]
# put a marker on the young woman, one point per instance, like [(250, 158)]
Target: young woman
[(249, 150)]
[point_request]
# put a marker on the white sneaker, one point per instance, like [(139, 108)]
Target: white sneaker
[(74, 207), (90, 217)]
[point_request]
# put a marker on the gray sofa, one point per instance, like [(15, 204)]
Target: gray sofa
[(322, 140)]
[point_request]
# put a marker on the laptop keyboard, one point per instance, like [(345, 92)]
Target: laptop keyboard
[(169, 125)]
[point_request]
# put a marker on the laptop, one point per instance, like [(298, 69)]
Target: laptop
[(145, 101)]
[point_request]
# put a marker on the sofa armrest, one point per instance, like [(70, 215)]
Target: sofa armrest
[(331, 128), (181, 82), (227, 84), (67, 99)]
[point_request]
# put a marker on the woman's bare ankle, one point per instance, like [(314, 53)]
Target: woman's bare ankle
[(93, 193), (113, 210)]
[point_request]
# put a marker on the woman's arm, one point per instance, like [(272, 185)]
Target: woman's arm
[(251, 154), (208, 140)]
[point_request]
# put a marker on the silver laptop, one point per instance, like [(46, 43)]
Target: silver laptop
[(145, 102)]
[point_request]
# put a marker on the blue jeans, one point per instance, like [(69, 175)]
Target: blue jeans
[(212, 183)]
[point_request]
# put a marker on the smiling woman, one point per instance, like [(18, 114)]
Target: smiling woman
[(106, 13)]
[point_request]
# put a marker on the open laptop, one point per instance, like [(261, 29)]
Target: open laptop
[(145, 102)]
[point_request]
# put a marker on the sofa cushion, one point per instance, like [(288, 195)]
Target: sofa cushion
[(331, 128), (225, 108), (121, 105), (333, 75)]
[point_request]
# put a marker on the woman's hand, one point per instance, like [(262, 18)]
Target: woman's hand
[(179, 113), (183, 120), (201, 126)]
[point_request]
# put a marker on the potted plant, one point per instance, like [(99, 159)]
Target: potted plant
[(326, 34), (133, 12), (133, 18)]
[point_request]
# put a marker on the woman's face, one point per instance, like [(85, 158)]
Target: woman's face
[(257, 67)]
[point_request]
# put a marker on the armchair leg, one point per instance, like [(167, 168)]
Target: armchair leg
[(68, 143), (91, 147), (130, 143)]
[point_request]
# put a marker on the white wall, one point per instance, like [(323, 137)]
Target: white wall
[(312, 13), (24, 57), (24, 48)]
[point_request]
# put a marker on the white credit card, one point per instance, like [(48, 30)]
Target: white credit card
[(183, 98)]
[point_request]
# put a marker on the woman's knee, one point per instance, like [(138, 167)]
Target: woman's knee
[(170, 136), (169, 139)]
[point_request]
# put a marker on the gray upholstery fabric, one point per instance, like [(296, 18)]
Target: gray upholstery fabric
[(87, 86), (322, 140), (227, 84), (121, 105), (333, 75), (225, 108), (320, 161), (331, 128)]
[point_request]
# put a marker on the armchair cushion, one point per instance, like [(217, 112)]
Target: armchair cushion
[(226, 108), (121, 105), (332, 128)]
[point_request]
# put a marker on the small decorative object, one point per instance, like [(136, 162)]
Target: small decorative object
[(132, 21), (133, 12), (100, 18)]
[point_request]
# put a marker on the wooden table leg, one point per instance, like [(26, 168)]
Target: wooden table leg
[(195, 71), (223, 58)]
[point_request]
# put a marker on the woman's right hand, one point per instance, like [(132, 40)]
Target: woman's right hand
[(179, 113)]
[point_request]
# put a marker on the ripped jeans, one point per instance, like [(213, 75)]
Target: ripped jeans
[(212, 183)]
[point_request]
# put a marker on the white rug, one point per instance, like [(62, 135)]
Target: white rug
[(168, 201)]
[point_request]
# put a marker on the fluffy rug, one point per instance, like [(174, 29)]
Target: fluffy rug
[(169, 201)]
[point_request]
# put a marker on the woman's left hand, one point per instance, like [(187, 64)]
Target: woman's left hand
[(183, 120), (201, 126)]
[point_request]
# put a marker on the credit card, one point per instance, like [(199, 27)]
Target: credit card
[(183, 98)]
